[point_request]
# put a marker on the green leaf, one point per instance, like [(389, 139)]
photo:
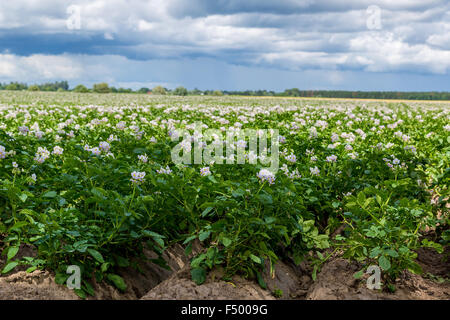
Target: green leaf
[(105, 266), (97, 255), (414, 267), (188, 249), (61, 278), (238, 193), (206, 211), (226, 241), (204, 235), (189, 239), (117, 281), (335, 204), (255, 258), (261, 281), (98, 192), (380, 202), (351, 204), (375, 252), (88, 288), (359, 274), (361, 198), (17, 226), (9, 267), (159, 241), (12, 251), (367, 202), (23, 197), (80, 293), (122, 262), (31, 269), (198, 275), (384, 263), (392, 253), (50, 194), (211, 178), (265, 199), (314, 273)]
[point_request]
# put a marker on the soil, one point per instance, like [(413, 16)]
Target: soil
[(180, 287), (335, 281)]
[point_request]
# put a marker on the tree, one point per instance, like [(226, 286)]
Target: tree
[(14, 86), (123, 90), (217, 93), (159, 90), (33, 88), (101, 88), (195, 92), (180, 91), (80, 88), (143, 90)]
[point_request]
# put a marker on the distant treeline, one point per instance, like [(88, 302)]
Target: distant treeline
[(181, 91), (49, 86), (346, 94)]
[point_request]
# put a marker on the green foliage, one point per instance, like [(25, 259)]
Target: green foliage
[(81, 208), (180, 91), (158, 90), (101, 88), (33, 88), (80, 88)]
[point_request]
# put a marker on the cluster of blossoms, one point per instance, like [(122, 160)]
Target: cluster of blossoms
[(266, 175), (137, 177), (361, 133), (291, 175), (291, 158), (314, 171), (205, 171), (412, 148), (121, 125), (57, 150), (331, 158), (104, 146), (333, 146), (334, 137), (313, 133), (97, 151), (241, 144), (42, 154), (143, 158), (23, 130), (394, 163), (38, 134), (353, 155), (167, 170), (402, 136), (251, 156), (3, 152)]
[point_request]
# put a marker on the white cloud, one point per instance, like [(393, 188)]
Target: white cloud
[(39, 67), (290, 34)]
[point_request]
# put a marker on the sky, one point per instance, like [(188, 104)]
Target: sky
[(401, 45)]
